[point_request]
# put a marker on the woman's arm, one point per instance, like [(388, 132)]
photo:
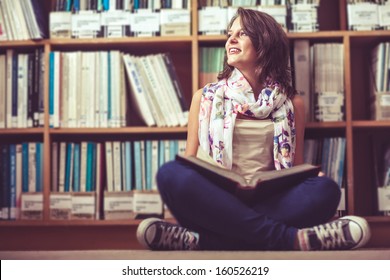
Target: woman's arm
[(299, 111), (193, 124)]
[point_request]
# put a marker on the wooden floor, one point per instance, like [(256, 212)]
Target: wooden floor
[(364, 254)]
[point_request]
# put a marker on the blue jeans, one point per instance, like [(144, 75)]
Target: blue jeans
[(226, 223)]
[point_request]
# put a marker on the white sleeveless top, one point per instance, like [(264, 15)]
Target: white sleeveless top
[(252, 146)]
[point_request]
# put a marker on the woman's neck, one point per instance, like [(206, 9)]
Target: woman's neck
[(254, 83)]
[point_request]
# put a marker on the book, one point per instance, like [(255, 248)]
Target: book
[(262, 184)]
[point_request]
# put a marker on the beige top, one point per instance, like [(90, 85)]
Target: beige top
[(252, 146)]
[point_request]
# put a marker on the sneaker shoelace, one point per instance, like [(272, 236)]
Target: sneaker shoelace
[(175, 238), (331, 235)]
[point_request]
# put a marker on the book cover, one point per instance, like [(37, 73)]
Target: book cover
[(262, 184)]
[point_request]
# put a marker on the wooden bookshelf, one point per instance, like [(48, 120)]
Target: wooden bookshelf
[(101, 234)]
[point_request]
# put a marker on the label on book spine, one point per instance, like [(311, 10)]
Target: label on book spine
[(83, 205), (61, 201), (363, 14), (85, 24), (60, 24), (32, 206), (60, 206), (384, 15), (145, 22), (212, 20), (384, 100), (147, 203), (32, 202), (384, 198), (118, 201)]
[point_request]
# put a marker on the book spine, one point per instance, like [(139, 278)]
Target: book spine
[(32, 167), (5, 182), (25, 167), (129, 166), (12, 182), (39, 166)]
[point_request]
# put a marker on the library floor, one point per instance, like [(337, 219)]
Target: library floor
[(363, 254)]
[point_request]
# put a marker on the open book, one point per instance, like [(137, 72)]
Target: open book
[(262, 184)]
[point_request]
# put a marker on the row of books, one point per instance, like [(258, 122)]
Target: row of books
[(113, 166), (117, 177), (330, 154), (90, 180), (21, 89), (21, 168), (368, 14), (106, 5), (156, 90), (210, 64), (381, 159), (304, 16), (88, 89), (300, 16), (319, 79), (380, 85), (209, 24), (120, 23), (240, 3), (22, 20)]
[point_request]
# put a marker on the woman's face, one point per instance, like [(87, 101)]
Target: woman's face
[(239, 48)]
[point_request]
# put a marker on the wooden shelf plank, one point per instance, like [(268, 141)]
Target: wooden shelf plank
[(13, 131), (371, 124), (123, 130)]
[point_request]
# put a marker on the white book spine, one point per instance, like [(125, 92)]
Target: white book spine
[(115, 88), (32, 164), (154, 163), (109, 166), (83, 167), (61, 173), (97, 91), (103, 89), (57, 89), (73, 82), (9, 62), (137, 91), (116, 146)]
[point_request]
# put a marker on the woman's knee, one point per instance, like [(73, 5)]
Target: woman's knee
[(326, 196), (327, 188), (174, 177)]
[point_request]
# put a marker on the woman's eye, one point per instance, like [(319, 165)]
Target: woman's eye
[(242, 33)]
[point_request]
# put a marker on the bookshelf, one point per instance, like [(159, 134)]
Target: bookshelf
[(357, 128)]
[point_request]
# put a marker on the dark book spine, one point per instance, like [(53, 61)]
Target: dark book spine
[(40, 18), (15, 90), (41, 77), (30, 90), (175, 80), (35, 87), (6, 182)]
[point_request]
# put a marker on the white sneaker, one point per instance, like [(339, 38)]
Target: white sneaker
[(349, 232), (156, 234)]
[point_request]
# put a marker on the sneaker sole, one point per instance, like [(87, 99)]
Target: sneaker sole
[(141, 231), (365, 229)]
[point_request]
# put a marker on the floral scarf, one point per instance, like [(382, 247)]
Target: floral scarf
[(222, 101)]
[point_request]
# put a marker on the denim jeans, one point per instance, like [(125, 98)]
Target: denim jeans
[(224, 222)]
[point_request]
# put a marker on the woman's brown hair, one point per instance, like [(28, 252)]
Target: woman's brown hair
[(272, 47)]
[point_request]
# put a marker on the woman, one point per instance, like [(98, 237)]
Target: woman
[(248, 121)]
